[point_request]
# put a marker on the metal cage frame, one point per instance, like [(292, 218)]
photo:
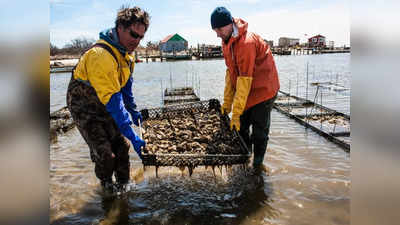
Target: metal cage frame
[(192, 160)]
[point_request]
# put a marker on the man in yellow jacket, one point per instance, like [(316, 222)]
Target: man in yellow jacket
[(100, 98), (251, 81)]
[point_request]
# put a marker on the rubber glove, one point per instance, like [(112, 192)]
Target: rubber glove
[(136, 116), (137, 142), (129, 102), (119, 113), (228, 95), (235, 123), (243, 86)]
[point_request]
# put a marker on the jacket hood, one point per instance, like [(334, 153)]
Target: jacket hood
[(111, 37), (241, 25)]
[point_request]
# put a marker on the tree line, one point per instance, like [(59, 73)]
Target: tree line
[(78, 46)]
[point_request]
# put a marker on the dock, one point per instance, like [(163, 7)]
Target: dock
[(306, 51)]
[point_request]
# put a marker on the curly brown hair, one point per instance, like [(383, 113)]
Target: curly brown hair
[(127, 16)]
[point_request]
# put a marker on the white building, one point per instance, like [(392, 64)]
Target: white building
[(288, 42)]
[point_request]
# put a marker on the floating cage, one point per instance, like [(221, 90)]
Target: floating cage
[(179, 96), (241, 154), (329, 123), (178, 99), (179, 91)]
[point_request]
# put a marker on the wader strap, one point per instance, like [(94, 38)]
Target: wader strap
[(101, 45)]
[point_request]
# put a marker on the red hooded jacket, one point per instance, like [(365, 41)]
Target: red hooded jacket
[(247, 54)]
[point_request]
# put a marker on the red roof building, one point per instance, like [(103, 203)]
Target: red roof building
[(317, 41), (167, 38), (173, 43)]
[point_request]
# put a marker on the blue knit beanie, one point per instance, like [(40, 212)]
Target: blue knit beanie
[(220, 17)]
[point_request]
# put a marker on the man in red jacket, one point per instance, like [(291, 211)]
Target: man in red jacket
[(251, 81)]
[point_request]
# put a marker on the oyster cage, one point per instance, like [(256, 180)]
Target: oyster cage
[(195, 159), (182, 95), (179, 91)]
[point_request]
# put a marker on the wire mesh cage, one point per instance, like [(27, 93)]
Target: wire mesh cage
[(179, 91), (178, 99), (222, 147)]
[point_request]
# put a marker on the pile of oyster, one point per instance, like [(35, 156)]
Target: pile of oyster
[(191, 131), (331, 119)]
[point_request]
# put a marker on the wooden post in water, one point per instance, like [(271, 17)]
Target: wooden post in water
[(170, 77), (307, 89), (199, 86), (147, 57), (161, 55), (321, 110), (297, 85), (289, 94), (162, 93)]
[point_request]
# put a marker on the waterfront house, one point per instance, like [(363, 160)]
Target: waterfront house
[(173, 43), (317, 41)]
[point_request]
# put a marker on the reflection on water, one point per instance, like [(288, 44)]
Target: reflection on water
[(308, 179)]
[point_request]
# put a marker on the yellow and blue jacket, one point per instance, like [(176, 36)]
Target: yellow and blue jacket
[(111, 78)]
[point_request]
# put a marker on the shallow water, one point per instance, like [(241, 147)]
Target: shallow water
[(307, 182)]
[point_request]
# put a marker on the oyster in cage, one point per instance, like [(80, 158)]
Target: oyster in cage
[(193, 131)]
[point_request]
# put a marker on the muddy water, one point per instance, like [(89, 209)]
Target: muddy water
[(307, 182), (307, 179)]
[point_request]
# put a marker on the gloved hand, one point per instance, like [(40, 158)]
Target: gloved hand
[(243, 86), (136, 116), (137, 145), (137, 142), (225, 110), (235, 122)]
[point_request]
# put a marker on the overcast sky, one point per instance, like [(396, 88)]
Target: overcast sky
[(271, 19)]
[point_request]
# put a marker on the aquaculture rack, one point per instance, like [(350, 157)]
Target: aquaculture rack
[(192, 160), (178, 91), (337, 136), (179, 95)]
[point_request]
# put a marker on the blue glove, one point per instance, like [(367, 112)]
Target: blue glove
[(120, 115), (137, 142), (136, 116), (137, 145), (129, 102)]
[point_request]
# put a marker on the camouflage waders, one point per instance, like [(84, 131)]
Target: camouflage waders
[(259, 116), (100, 132)]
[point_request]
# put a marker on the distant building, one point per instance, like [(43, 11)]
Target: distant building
[(331, 44), (209, 51), (270, 43), (288, 42), (173, 43), (317, 41)]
